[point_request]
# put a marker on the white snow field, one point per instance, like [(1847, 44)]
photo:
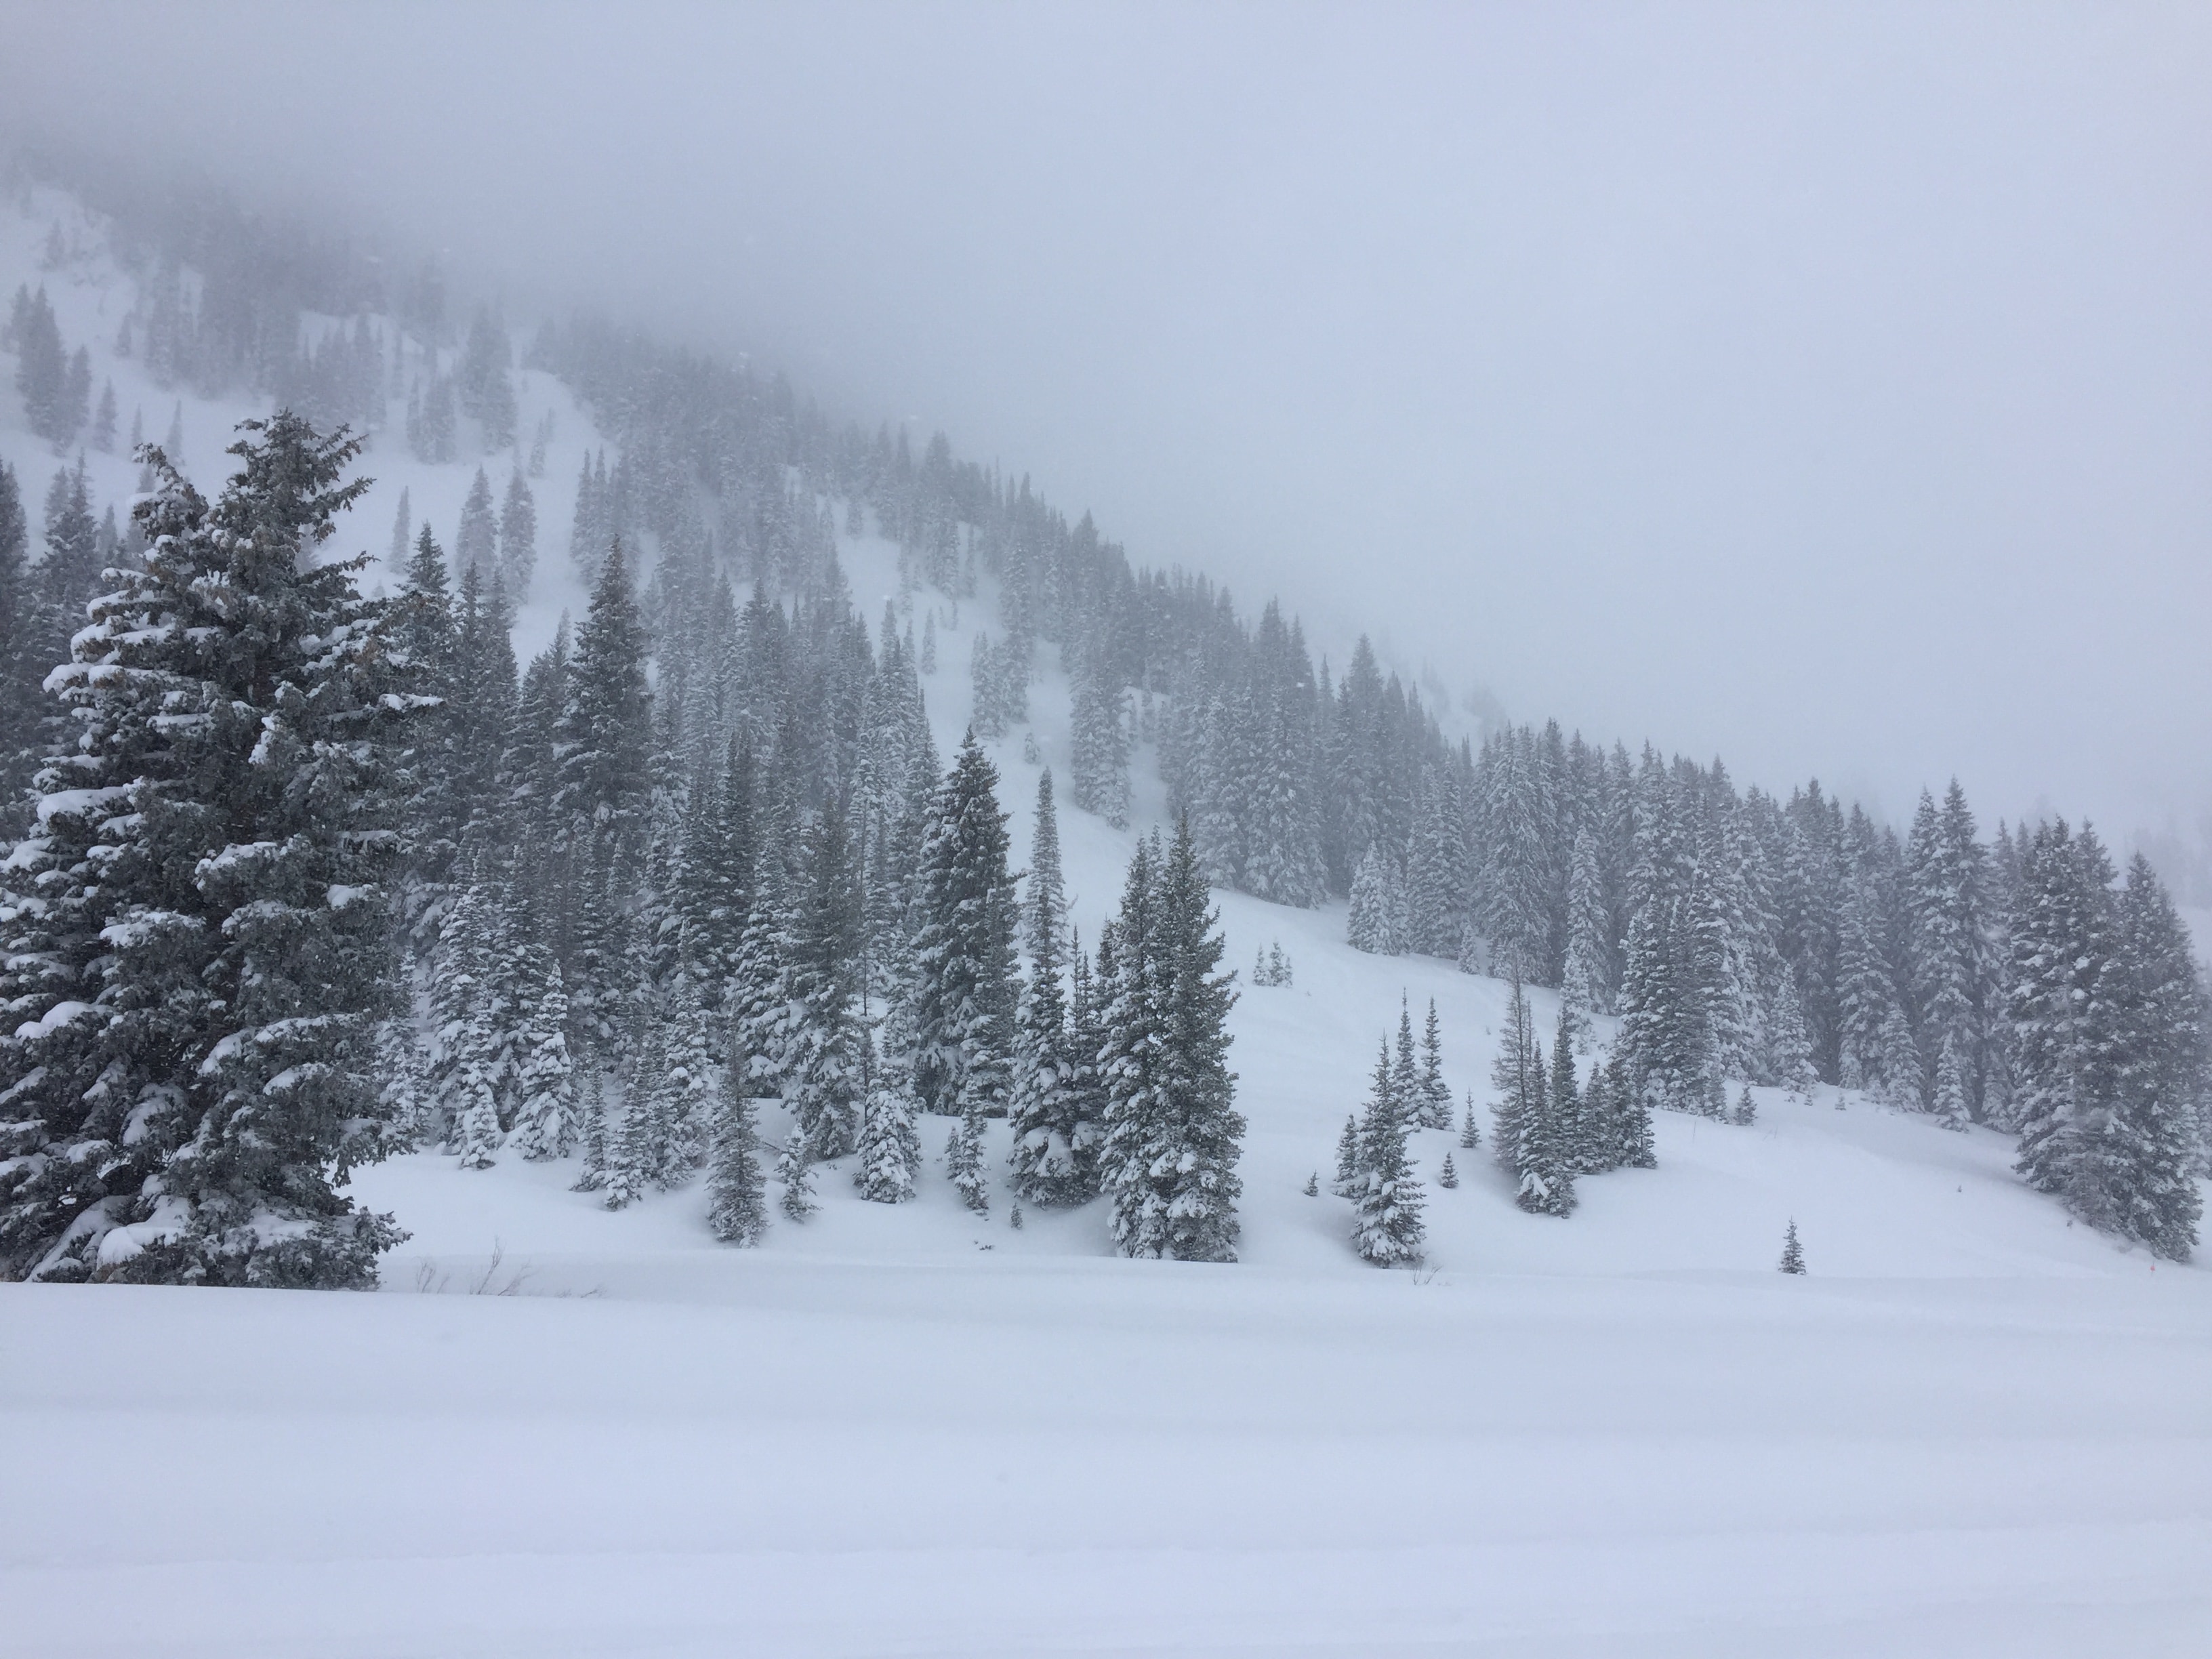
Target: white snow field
[(1972, 1429)]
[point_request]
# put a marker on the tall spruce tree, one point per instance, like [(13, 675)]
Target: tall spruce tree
[(1173, 1135), (1053, 1155), (20, 667), (476, 542), (1526, 1137), (965, 980), (199, 950), (824, 1050), (1586, 986), (1100, 772), (1387, 1197), (1434, 1096), (2059, 998), (736, 1184), (890, 1150), (545, 1113), (2162, 1069), (517, 536)]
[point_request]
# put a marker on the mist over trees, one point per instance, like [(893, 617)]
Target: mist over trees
[(301, 877)]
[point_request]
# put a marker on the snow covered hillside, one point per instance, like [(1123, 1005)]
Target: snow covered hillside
[(91, 296), (1973, 1428)]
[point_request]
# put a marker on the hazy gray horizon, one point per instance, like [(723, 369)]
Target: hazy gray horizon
[(1829, 392)]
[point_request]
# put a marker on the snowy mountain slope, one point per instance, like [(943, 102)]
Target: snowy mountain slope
[(1974, 1429), (91, 296), (1947, 1204)]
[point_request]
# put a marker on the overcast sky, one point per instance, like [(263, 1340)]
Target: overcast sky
[(1829, 389)]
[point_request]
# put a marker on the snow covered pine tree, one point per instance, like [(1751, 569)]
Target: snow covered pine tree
[(1172, 1130), (1387, 1197), (198, 935)]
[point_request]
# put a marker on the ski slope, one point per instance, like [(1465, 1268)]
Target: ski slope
[(1971, 1430)]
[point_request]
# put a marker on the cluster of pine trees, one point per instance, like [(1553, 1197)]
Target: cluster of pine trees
[(1548, 1127), (2107, 1011), (1374, 1165), (324, 875), (54, 383), (41, 605), (1738, 937)]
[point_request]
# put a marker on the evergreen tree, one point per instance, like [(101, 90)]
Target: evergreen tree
[(403, 534), (1447, 1176), (467, 1017), (1086, 1016), (1586, 989), (1054, 1154), (1372, 924), (476, 1135), (1525, 1138), (70, 574), (2065, 1006), (517, 536), (76, 397), (1387, 1200), (795, 1169), (1792, 1041), (21, 665), (486, 391), (604, 740), (737, 1197), (405, 1091), (963, 949), (424, 629), (690, 1090), (1576, 1150), (1100, 772), (1405, 1077), (1172, 1131), (964, 1160), (475, 544), (1632, 1113), (192, 1071), (637, 1141), (591, 1112), (1520, 859), (1437, 879), (1669, 959), (1434, 1108), (1793, 1253), (1347, 1158), (890, 1151), (430, 424), (825, 1053), (545, 1118), (986, 685), (1470, 1132), (587, 533), (1878, 1054), (41, 368), (756, 999), (2162, 1078), (1946, 880)]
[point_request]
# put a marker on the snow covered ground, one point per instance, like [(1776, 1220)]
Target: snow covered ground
[(1973, 1429)]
